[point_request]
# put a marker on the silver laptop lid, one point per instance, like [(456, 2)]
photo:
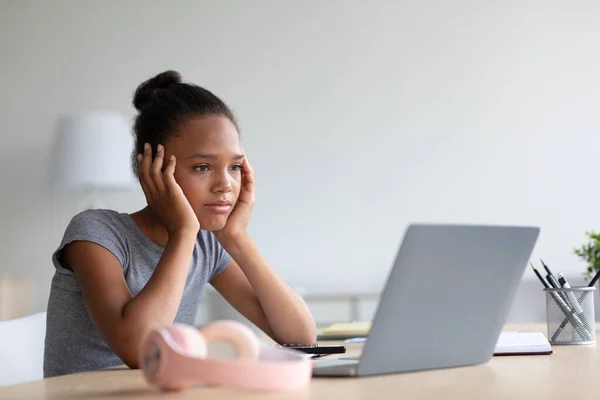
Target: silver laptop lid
[(447, 297)]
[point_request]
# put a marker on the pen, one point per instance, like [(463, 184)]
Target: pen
[(557, 298), (566, 320), (564, 307), (553, 282), (563, 282)]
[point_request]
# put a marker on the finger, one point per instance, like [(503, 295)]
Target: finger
[(169, 176), (140, 157), (156, 168), (248, 173), (170, 167), (246, 167), (145, 170)]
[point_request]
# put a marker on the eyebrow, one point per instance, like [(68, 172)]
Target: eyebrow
[(213, 156)]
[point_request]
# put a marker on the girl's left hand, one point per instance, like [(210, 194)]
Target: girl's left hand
[(237, 222)]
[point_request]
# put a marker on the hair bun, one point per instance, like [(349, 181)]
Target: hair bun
[(146, 92)]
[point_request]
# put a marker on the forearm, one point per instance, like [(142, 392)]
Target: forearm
[(158, 302), (289, 318)]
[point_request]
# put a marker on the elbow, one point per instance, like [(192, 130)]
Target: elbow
[(127, 348), (310, 335), (130, 357), (131, 363), (128, 354), (305, 336)]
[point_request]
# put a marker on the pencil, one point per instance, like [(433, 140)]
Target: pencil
[(539, 276), (594, 279), (547, 269)]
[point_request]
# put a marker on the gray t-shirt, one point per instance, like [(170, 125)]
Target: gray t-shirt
[(73, 344)]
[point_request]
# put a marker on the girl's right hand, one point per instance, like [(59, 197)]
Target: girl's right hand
[(163, 194)]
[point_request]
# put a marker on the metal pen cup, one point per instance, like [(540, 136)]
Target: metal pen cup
[(570, 315)]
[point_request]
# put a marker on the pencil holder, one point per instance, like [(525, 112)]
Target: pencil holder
[(570, 315)]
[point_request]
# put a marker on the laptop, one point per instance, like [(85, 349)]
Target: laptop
[(445, 301)]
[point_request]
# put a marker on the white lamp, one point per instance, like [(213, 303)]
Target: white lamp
[(92, 152)]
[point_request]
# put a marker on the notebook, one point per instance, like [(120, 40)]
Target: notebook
[(522, 343), (346, 330), (509, 342)]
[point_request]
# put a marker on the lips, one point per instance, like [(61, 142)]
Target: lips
[(220, 206), (220, 203)]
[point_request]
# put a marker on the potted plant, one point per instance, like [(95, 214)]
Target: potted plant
[(590, 253)]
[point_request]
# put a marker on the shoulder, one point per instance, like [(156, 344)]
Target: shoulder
[(98, 223), (106, 228), (101, 216)]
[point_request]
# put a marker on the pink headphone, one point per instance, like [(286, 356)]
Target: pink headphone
[(174, 357)]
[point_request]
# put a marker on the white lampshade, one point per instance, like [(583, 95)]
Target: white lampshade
[(92, 151)]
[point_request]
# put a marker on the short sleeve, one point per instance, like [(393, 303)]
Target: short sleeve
[(222, 260), (95, 226)]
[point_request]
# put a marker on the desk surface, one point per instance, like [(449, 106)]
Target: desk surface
[(571, 372)]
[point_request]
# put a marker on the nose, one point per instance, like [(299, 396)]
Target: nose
[(222, 183)]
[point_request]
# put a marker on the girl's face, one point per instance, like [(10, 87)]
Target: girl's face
[(208, 167)]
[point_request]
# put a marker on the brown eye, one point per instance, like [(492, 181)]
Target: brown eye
[(201, 168)]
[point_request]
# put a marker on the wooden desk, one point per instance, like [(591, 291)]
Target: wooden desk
[(571, 372)]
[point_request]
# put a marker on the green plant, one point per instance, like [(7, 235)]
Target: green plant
[(590, 253)]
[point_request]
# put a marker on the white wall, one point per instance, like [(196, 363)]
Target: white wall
[(359, 118)]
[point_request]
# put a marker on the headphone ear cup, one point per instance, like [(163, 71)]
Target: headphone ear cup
[(241, 336), (189, 339)]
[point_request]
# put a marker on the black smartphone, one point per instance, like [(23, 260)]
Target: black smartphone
[(321, 350)]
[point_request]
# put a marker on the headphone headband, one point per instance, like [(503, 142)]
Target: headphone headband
[(175, 357)]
